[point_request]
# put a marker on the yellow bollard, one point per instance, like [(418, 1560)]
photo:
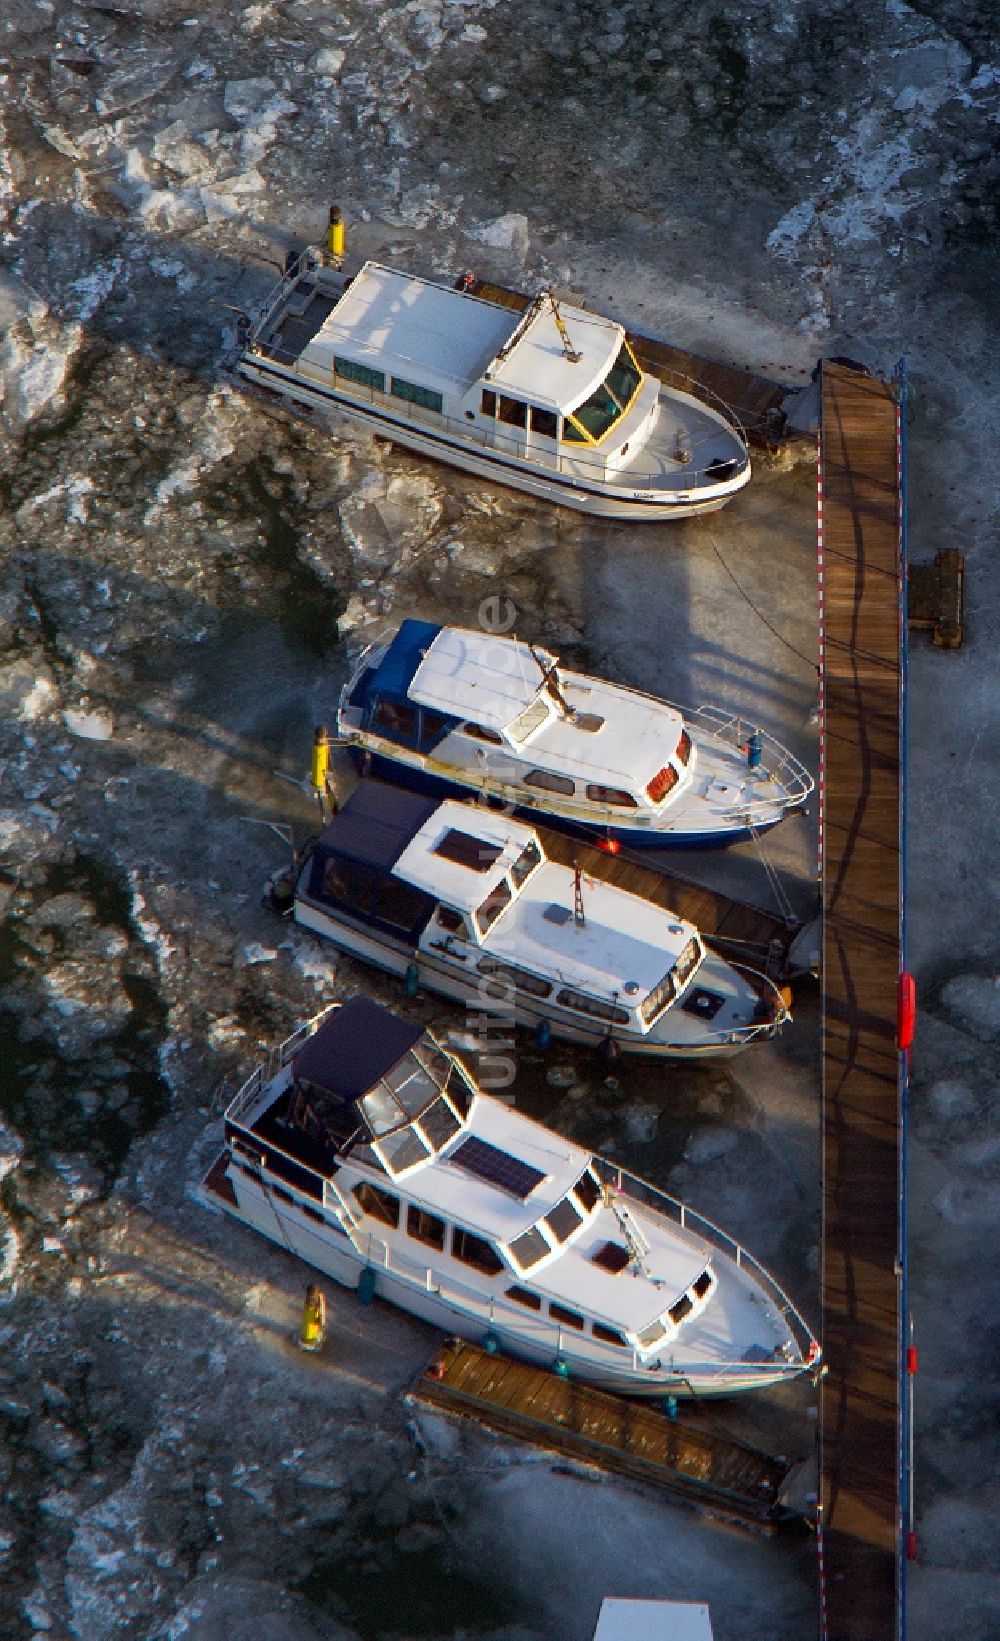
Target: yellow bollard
[(313, 1329), (320, 767), (335, 236)]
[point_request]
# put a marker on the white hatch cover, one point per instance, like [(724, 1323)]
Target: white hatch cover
[(653, 1621)]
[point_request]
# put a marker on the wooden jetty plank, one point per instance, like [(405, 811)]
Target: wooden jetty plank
[(614, 1432), (861, 961)]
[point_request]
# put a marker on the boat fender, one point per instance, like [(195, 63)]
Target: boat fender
[(491, 1343), (543, 1034), (366, 1285), (609, 1050), (335, 235), (319, 768), (465, 281), (437, 1369), (412, 979), (755, 750), (670, 1406), (561, 1367), (906, 1011), (610, 845)]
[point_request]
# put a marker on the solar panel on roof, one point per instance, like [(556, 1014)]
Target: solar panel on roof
[(497, 1167)]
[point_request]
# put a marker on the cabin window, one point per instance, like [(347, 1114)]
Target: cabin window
[(563, 1220), (573, 434), (524, 865), (607, 1336), (403, 1149), (663, 782), (368, 1154), (349, 883), (683, 1307), (473, 1250), (512, 412), (687, 963), (416, 395), (524, 1296), (376, 1203), (488, 403), (598, 414), (569, 1319), (544, 421), (452, 922), (658, 999), (395, 719), (360, 373), (460, 1096), (683, 752), (439, 1123), (651, 1335), (549, 782), (400, 905), (493, 906), (531, 984), (528, 1248), (479, 732), (424, 1227), (433, 724), (624, 378), (613, 795), (701, 1287), (587, 1191), (528, 721), (593, 1006)]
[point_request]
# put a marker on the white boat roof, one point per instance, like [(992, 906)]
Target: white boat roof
[(479, 677), (464, 887), (624, 941), (538, 368), (637, 738), (622, 1620), (407, 326), (444, 1188)]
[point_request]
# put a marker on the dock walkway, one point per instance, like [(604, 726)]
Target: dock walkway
[(615, 1433), (862, 885)]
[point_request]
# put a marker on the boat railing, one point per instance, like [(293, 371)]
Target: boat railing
[(249, 1092), (776, 761), (446, 1287), (663, 1206), (576, 465)]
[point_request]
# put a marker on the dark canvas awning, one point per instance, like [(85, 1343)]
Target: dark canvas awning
[(376, 824), (352, 1049)]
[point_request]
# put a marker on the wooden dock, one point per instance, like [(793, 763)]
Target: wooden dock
[(614, 1433), (861, 617), (756, 401)]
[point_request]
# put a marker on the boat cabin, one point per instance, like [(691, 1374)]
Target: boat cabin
[(536, 383), (503, 709)]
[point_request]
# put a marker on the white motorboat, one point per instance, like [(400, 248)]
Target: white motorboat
[(550, 400), (464, 901), (459, 713), (368, 1150)]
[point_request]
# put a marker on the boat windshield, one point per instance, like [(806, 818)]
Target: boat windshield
[(493, 906), (606, 406), (407, 1089), (524, 725), (688, 961), (525, 864)]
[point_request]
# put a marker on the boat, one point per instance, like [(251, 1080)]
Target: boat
[(463, 901), (549, 400), (461, 713), (366, 1148)]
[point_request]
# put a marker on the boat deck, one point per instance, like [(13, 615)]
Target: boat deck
[(613, 1432), (756, 401), (735, 928), (862, 884)]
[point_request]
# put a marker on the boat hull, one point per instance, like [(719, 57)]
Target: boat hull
[(604, 502), (400, 772), (320, 1248), (433, 975)]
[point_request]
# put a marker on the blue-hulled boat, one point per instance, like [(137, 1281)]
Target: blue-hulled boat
[(458, 713)]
